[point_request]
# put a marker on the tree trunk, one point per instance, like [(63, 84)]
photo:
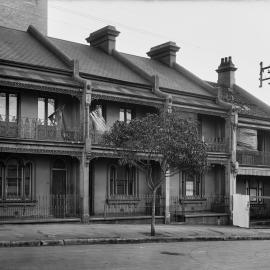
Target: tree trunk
[(153, 231)]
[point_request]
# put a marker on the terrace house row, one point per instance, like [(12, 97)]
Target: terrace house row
[(52, 162)]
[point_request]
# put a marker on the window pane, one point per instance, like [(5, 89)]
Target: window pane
[(112, 180), (12, 108), (27, 181), (130, 172), (122, 115), (253, 192), (189, 188), (2, 106), (41, 110), (128, 115), (121, 187), (51, 109), (14, 182)]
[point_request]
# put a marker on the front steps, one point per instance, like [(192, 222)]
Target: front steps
[(210, 218)]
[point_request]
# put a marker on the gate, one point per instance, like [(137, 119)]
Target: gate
[(259, 208), (241, 207)]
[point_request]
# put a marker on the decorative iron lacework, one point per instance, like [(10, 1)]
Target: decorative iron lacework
[(27, 150), (126, 99), (68, 91)]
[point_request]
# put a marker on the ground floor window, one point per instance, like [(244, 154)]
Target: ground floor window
[(191, 185), (254, 188), (15, 180), (122, 180)]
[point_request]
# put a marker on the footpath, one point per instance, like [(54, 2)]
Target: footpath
[(23, 235)]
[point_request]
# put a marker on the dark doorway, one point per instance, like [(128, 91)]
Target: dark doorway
[(58, 191), (91, 188)]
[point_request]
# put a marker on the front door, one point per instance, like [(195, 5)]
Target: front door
[(58, 193)]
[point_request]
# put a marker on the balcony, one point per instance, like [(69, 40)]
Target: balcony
[(216, 144), (34, 129), (213, 144), (253, 158)]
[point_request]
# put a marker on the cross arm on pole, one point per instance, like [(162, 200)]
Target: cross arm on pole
[(262, 70)]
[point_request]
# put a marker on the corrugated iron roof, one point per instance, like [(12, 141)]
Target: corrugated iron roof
[(248, 104), (168, 77), (96, 62), (19, 46)]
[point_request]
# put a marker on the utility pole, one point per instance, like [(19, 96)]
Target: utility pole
[(262, 69)]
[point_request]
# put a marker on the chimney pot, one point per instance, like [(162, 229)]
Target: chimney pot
[(104, 38), (226, 72), (164, 53)]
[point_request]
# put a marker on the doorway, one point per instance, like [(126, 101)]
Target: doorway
[(59, 189)]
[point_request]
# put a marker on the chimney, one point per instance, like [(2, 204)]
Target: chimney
[(165, 53), (104, 38), (225, 72)]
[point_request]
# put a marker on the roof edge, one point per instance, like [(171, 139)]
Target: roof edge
[(247, 95), (11, 63), (50, 46), (132, 66), (196, 79)]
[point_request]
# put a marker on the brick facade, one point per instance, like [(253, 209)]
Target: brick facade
[(19, 14)]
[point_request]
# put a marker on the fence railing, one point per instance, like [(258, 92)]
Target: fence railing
[(180, 206), (42, 207), (96, 137), (33, 128), (140, 205), (216, 144), (259, 207), (253, 158)]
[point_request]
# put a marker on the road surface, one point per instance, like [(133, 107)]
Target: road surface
[(165, 256)]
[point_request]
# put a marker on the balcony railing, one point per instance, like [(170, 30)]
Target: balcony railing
[(213, 144), (216, 144), (35, 129), (255, 158), (96, 137)]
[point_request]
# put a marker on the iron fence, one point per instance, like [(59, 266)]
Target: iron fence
[(140, 205), (259, 207), (180, 206), (42, 207)]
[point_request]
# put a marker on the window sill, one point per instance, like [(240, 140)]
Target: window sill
[(17, 203)]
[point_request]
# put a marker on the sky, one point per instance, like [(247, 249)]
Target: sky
[(204, 30)]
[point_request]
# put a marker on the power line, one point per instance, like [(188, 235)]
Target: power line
[(106, 21)]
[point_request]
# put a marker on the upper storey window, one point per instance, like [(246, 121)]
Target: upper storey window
[(125, 115), (8, 107), (46, 107)]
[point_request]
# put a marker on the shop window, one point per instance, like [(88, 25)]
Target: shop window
[(126, 114), (15, 180), (191, 185), (8, 107), (46, 108), (122, 180)]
